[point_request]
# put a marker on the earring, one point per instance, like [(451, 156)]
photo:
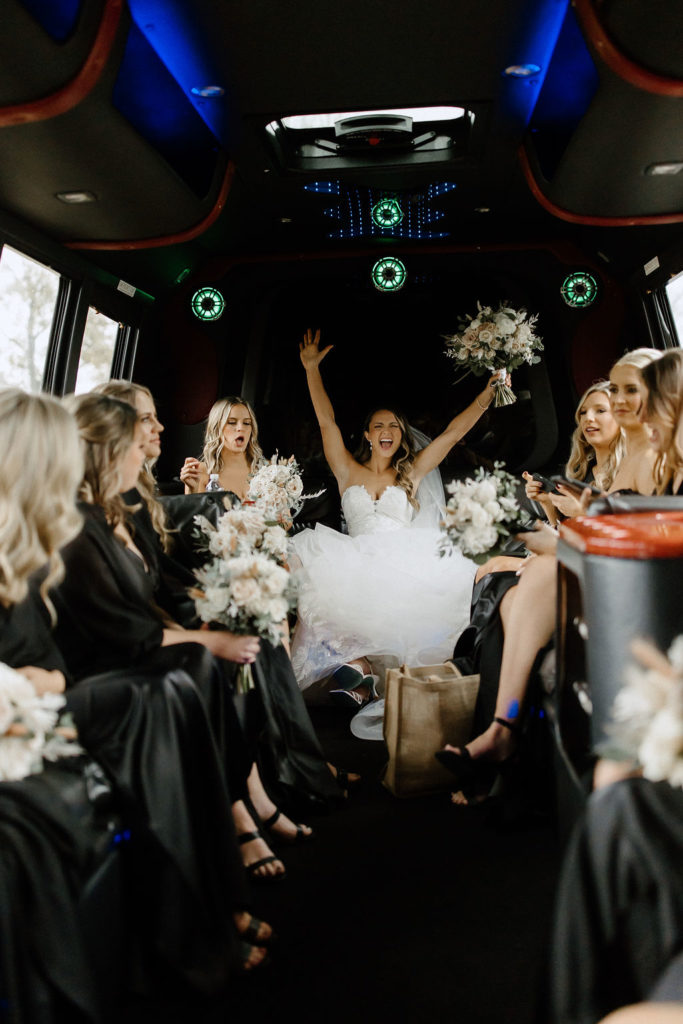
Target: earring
[(370, 443)]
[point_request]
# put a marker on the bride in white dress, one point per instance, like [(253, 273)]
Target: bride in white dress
[(382, 592)]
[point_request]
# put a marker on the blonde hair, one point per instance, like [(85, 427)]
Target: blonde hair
[(126, 391), (582, 453), (403, 459), (213, 438), (663, 379), (107, 428), (40, 471), (639, 357)]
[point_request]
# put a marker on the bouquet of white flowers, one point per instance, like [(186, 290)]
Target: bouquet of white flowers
[(246, 585), (495, 339), (481, 513), (648, 713), (276, 489), (31, 729)]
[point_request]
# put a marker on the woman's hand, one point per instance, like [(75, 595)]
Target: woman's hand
[(190, 475), (567, 504), (533, 488), (43, 680), (309, 350), (242, 649), (541, 541)]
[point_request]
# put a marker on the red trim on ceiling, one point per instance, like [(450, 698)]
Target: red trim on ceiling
[(611, 55), (181, 236), (637, 220), (78, 88)]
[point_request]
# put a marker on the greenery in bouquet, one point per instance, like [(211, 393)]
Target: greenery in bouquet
[(32, 730), (243, 530), (481, 513), (276, 488), (495, 339)]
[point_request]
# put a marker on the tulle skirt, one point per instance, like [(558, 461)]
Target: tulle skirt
[(388, 595)]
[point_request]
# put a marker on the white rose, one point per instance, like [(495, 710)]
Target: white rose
[(17, 759)]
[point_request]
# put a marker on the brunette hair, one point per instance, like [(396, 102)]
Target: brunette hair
[(582, 454), (127, 391), (663, 379), (40, 470), (107, 428), (213, 438), (402, 460)]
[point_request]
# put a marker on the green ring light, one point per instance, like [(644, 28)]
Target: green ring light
[(387, 213), (389, 274), (579, 289), (207, 303)]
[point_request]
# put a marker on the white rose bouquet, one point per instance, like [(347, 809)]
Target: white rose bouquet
[(31, 729), (246, 585), (481, 513), (495, 339), (276, 488), (648, 713)]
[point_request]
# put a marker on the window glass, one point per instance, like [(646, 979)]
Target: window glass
[(28, 293), (674, 291), (97, 351)]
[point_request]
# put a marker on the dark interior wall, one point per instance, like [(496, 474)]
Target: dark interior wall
[(388, 348)]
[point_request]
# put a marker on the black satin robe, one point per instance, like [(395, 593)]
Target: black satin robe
[(619, 911), (282, 738)]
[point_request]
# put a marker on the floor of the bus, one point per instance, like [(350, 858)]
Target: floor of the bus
[(399, 910)]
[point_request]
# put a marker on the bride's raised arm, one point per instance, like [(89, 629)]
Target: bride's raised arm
[(338, 457), (430, 457)]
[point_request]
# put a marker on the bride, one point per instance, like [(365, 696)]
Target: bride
[(381, 595)]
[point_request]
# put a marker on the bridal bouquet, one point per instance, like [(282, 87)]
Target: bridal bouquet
[(245, 586), (480, 514), (648, 713), (276, 488), (495, 339), (31, 729)]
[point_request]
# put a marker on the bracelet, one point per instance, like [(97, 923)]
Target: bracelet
[(480, 405)]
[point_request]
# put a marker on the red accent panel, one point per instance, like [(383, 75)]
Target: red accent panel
[(181, 236), (583, 218), (634, 535), (611, 55), (78, 88)]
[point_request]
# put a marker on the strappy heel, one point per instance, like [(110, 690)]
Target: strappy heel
[(252, 869), (480, 771), (299, 837)]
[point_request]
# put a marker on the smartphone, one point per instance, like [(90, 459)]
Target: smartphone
[(546, 483), (577, 487)]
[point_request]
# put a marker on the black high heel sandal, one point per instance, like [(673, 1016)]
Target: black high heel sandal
[(477, 772)]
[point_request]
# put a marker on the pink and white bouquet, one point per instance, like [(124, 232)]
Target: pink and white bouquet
[(481, 513), (648, 713), (244, 530), (495, 339), (31, 728), (276, 488)]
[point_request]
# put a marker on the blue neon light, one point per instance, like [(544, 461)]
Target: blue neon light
[(58, 17), (151, 99), (354, 211)]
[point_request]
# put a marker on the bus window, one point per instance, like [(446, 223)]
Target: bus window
[(28, 292), (674, 292), (97, 351)]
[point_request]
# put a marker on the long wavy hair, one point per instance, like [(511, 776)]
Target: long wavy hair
[(213, 438), (402, 460), (663, 379), (107, 429), (127, 391), (40, 470), (582, 454)]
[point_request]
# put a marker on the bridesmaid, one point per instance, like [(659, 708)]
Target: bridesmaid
[(231, 449)]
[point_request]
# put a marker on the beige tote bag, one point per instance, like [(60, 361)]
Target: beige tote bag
[(424, 709)]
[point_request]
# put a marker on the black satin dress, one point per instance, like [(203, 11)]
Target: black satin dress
[(147, 726), (278, 727), (619, 911)]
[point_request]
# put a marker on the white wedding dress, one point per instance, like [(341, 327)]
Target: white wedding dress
[(382, 591)]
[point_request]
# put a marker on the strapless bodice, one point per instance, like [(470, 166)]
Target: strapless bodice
[(365, 514)]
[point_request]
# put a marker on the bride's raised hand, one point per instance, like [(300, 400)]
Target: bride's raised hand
[(309, 349)]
